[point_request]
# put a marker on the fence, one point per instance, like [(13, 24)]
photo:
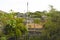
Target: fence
[(31, 36)]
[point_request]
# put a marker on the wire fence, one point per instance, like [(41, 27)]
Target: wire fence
[(28, 37), (31, 36)]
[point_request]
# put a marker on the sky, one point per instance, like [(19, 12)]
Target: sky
[(34, 5)]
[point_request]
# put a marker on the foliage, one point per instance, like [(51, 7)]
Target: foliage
[(51, 29), (13, 26), (37, 21)]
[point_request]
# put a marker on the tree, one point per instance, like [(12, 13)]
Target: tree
[(51, 29), (13, 26), (37, 21)]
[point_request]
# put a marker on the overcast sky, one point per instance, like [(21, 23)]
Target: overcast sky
[(34, 5)]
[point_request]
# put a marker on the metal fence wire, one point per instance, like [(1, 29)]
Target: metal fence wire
[(30, 37)]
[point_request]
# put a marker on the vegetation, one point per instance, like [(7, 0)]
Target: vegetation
[(12, 27)]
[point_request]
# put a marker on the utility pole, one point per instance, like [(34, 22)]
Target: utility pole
[(27, 6), (27, 16), (27, 22)]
